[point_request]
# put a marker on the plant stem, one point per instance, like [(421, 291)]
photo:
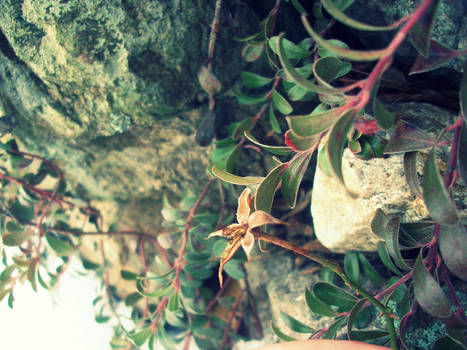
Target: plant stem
[(336, 268)]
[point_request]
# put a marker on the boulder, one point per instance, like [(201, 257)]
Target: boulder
[(341, 222)]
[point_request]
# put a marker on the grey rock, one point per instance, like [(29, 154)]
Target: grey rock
[(277, 286), (106, 88)]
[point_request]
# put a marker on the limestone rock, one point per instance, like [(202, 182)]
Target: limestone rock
[(342, 223), (277, 286)]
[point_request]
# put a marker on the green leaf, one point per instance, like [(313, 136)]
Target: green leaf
[(294, 75), (293, 176), (339, 15), (139, 338), (273, 120), (244, 126), (222, 152), (219, 247), (387, 227), (174, 303), (406, 138), (369, 271), (336, 144), (158, 292), (421, 31), (332, 295), (427, 291), (386, 260), (437, 56), (314, 123), (456, 329), (21, 213), (280, 334), (331, 333), (280, 103), (323, 162), (411, 175), (355, 55), (462, 152), (234, 269), (299, 143), (251, 52), (297, 93), (132, 299), (322, 52), (351, 267), (295, 324), (453, 247), (437, 199), (291, 50), (234, 179), (128, 275), (249, 100), (15, 235), (252, 80), (316, 305), (382, 115), (61, 246), (267, 188), (326, 69), (6, 273), (31, 275), (353, 315), (365, 335)]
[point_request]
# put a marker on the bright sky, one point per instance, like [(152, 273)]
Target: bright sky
[(63, 320)]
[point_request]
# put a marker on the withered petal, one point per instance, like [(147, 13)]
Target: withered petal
[(260, 218), (218, 233), (247, 243), (228, 254), (244, 206)]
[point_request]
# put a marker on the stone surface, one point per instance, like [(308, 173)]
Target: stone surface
[(277, 286), (450, 27), (107, 88), (342, 223)]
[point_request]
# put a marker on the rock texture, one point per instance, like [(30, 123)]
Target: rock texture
[(277, 286), (342, 223), (106, 87), (108, 90)]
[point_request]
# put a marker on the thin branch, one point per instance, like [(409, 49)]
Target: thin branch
[(230, 318)]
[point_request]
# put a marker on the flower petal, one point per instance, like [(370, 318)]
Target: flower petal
[(218, 233), (244, 206), (247, 243), (260, 218)]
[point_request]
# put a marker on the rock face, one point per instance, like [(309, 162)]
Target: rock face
[(277, 286), (342, 223), (450, 28), (108, 88)]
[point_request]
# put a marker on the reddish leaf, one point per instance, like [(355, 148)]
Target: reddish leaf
[(437, 199), (407, 138), (428, 293), (437, 56), (336, 144), (299, 143), (421, 31), (453, 247), (411, 175), (462, 152), (293, 177)]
